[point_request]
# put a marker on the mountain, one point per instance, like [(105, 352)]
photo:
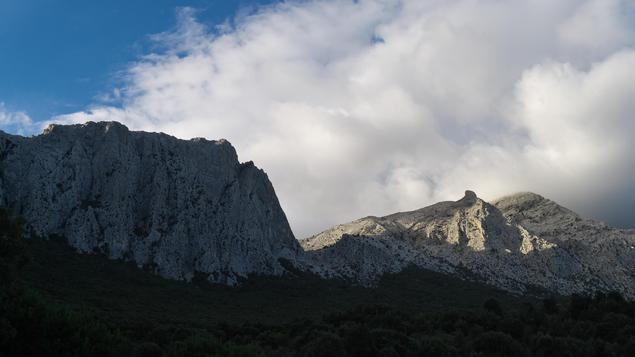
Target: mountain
[(517, 243), (173, 206), (185, 207)]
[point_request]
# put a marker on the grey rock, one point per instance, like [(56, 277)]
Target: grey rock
[(176, 206), (520, 242), (185, 207)]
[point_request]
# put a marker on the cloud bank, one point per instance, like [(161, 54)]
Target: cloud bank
[(15, 122), (369, 107)]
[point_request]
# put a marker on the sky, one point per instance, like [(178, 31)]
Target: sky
[(353, 108), (58, 57)]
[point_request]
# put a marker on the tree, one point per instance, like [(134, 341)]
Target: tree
[(12, 247), (493, 306), (550, 306)]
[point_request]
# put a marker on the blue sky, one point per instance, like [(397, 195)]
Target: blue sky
[(57, 56)]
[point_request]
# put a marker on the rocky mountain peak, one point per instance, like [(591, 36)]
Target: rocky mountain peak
[(469, 197), (546, 218), (182, 207), (94, 128), (521, 240), (521, 201), (176, 206)]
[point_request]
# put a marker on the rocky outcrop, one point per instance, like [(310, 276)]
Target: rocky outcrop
[(178, 207), (605, 256), (517, 243), (185, 207)]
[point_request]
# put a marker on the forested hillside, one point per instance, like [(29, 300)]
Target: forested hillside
[(113, 309)]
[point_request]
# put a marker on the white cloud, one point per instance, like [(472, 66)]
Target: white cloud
[(15, 122), (597, 26), (373, 106)]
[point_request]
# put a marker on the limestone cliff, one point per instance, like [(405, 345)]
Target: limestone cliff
[(175, 206), (532, 242)]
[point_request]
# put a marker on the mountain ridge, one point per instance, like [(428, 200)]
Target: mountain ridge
[(474, 238), (178, 206), (182, 207)]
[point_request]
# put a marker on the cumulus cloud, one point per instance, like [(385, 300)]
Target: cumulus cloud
[(15, 122), (376, 106)]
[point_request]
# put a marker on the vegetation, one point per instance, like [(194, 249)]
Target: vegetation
[(12, 248), (65, 304), (122, 291)]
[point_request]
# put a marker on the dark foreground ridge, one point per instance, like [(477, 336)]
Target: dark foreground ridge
[(65, 304)]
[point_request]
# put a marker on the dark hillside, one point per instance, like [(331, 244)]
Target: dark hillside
[(66, 304), (123, 291)]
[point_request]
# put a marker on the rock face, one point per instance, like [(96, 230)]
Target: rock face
[(185, 207), (178, 207), (519, 242)]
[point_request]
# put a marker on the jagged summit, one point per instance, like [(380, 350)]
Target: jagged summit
[(523, 201), (182, 207), (521, 240), (547, 218), (470, 197), (176, 206), (103, 126), (465, 214), (440, 208)]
